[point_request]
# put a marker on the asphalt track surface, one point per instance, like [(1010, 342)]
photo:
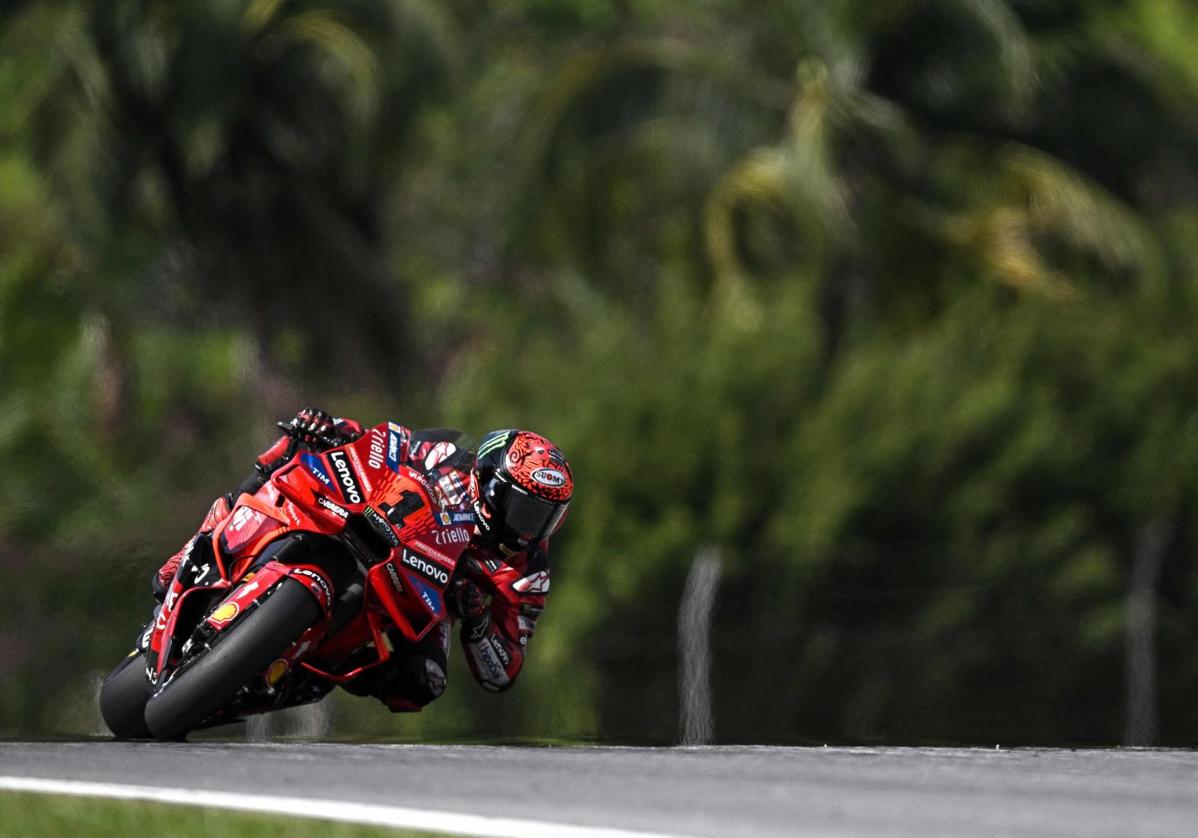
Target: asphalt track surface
[(716, 791)]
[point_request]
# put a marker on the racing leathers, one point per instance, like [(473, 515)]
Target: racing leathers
[(495, 595), (496, 598)]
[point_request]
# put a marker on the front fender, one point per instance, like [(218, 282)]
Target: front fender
[(256, 585), (241, 598)]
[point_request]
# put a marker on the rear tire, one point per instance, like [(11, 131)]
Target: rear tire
[(248, 648), (123, 697)]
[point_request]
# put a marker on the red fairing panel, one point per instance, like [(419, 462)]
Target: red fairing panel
[(216, 515), (252, 588)]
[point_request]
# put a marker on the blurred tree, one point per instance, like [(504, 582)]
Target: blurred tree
[(891, 301), (247, 148)]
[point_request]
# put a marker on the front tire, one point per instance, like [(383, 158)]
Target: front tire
[(123, 697), (246, 650)]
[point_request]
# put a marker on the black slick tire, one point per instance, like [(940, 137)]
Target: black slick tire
[(123, 697), (248, 648)]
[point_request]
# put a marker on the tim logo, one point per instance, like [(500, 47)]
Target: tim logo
[(317, 468)]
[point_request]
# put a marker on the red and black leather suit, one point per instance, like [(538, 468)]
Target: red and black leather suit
[(496, 596)]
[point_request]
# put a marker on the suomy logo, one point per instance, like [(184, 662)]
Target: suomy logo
[(549, 477), (346, 475)]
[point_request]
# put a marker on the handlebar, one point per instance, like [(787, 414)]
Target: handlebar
[(291, 430)]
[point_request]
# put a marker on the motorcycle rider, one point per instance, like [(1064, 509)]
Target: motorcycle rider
[(520, 485)]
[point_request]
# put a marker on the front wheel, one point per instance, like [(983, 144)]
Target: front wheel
[(245, 651), (123, 697)]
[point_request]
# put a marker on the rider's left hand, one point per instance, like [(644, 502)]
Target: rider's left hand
[(313, 426), (467, 600)]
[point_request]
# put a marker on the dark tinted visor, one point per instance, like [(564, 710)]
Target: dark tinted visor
[(531, 518)]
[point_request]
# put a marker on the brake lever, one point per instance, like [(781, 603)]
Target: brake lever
[(329, 441)]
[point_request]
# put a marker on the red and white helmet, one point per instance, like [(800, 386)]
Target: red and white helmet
[(524, 484)]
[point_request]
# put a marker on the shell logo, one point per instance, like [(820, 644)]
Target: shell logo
[(277, 670), (225, 612)]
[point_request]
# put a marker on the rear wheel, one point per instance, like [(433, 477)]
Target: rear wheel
[(123, 697), (245, 651)]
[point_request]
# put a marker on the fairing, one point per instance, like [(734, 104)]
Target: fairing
[(406, 534)]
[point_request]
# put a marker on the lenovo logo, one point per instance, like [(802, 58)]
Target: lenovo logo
[(430, 571), (345, 474)]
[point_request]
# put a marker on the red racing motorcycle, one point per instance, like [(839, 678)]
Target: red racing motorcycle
[(303, 588)]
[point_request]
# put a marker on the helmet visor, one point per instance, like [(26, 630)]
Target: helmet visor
[(531, 518)]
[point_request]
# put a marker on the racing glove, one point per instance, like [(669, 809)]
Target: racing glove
[(468, 602), (312, 426)]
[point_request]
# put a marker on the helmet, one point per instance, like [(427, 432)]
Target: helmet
[(522, 488)]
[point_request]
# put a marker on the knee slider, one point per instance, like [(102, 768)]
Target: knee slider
[(434, 678)]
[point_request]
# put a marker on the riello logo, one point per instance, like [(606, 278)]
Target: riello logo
[(377, 450)]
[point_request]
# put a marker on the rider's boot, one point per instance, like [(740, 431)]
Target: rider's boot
[(161, 582)]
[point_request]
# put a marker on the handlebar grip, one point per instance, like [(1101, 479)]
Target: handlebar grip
[(331, 439)]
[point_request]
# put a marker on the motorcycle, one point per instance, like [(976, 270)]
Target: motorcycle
[(306, 584)]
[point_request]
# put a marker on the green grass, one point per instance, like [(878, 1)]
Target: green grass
[(30, 815)]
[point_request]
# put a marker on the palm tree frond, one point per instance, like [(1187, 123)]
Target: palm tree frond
[(258, 16), (1061, 201), (1011, 41), (324, 32)]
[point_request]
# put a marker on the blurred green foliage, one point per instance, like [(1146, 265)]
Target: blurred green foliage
[(892, 302)]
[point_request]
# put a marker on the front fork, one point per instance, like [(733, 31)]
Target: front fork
[(161, 640)]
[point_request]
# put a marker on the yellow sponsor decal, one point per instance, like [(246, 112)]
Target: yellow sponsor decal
[(226, 612), (277, 670)]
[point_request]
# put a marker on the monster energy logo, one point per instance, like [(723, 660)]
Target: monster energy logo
[(497, 442)]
